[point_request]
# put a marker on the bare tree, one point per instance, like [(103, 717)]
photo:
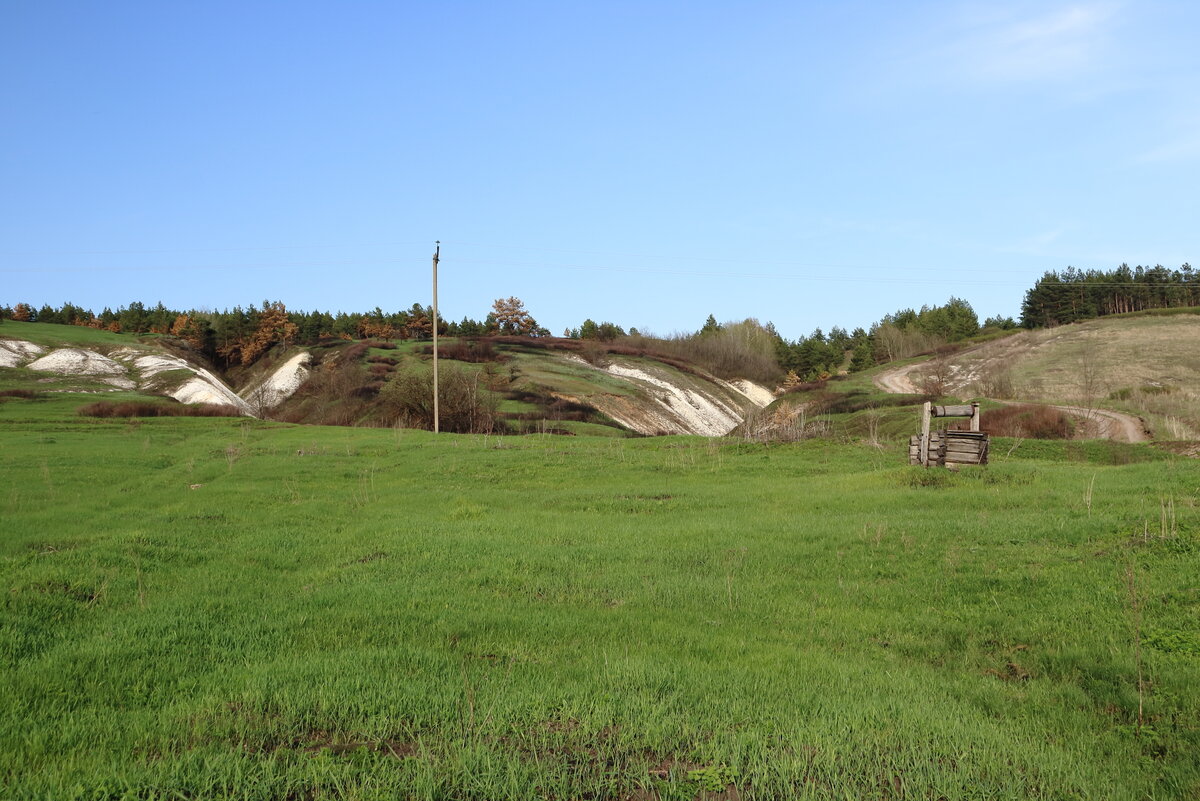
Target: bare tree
[(1090, 375), (935, 379)]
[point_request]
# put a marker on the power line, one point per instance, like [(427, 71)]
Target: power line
[(498, 246), (252, 248), (596, 268)]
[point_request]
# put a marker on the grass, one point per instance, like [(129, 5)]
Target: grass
[(53, 335), (206, 608)]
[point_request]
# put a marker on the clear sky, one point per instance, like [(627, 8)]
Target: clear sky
[(647, 163)]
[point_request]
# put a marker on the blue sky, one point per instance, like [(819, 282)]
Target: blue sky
[(647, 163)]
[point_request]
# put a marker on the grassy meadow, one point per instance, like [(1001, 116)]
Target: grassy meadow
[(226, 608)]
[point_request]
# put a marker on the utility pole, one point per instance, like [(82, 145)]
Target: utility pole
[(436, 254)]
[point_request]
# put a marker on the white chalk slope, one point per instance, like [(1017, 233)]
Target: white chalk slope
[(281, 384), (678, 404), (154, 372)]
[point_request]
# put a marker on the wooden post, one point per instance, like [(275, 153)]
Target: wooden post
[(436, 253), (974, 416), (925, 433)]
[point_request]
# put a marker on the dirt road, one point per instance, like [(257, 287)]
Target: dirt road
[(1107, 424), (897, 382)]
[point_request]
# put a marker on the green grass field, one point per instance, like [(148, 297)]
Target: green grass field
[(221, 608)]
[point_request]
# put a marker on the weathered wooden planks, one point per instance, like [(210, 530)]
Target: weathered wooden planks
[(966, 410), (948, 447)]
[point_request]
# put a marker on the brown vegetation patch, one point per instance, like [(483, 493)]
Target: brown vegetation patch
[(355, 351), (149, 409), (1027, 420), (474, 351), (806, 386), (635, 347), (28, 394)]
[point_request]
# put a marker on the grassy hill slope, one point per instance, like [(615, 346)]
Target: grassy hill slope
[(544, 385), (1101, 376), (1146, 364)]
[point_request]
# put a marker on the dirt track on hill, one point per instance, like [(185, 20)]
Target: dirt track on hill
[(1106, 423), (1109, 424), (897, 382)]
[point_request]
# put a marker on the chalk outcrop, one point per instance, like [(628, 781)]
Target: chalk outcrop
[(78, 361), (281, 384), (15, 352), (125, 369), (201, 387), (666, 401)]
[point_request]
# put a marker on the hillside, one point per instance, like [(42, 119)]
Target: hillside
[(549, 386), (1144, 365)]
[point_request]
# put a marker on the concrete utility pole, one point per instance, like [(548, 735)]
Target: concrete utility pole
[(436, 254)]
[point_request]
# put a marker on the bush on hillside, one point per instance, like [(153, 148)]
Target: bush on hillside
[(736, 350), (1027, 420), (464, 404), (471, 351), (151, 409), (355, 351), (997, 384)]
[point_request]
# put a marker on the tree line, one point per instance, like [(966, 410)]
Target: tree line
[(1074, 295), (240, 335)]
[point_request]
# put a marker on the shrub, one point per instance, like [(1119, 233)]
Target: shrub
[(782, 425), (368, 390), (806, 386), (739, 350), (151, 409), (472, 351), (1027, 420), (355, 351), (28, 394), (464, 405), (996, 385)]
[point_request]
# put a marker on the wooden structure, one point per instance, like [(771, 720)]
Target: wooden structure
[(948, 448)]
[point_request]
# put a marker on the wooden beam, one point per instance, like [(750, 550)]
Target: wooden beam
[(964, 410), (925, 434)]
